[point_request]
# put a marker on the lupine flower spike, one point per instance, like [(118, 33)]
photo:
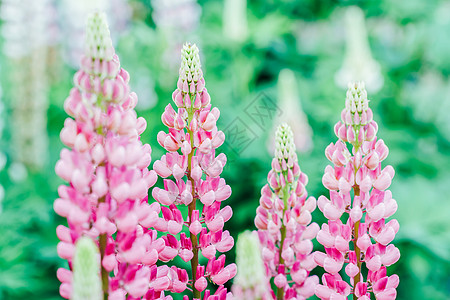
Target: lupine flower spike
[(191, 160), (282, 219), (251, 281), (106, 166), (365, 236)]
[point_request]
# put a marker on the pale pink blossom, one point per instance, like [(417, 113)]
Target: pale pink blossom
[(106, 166), (283, 221), (366, 235), (192, 171)]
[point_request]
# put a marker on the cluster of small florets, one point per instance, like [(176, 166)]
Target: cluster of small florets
[(365, 236), (357, 118), (282, 220), (284, 145), (112, 227), (196, 173), (98, 41), (107, 168), (357, 102), (191, 90)]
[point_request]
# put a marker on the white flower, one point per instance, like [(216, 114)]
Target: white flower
[(86, 271), (358, 63), (235, 19)]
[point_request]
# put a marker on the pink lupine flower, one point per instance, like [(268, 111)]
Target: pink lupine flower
[(106, 166), (191, 160), (282, 219), (365, 237)]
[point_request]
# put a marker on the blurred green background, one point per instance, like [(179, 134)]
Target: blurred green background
[(400, 48)]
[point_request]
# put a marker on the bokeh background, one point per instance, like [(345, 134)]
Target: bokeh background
[(264, 61)]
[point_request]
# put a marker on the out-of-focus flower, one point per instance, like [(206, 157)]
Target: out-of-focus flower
[(283, 221), (17, 172), (358, 62), (196, 182), (177, 21), (292, 112), (25, 30), (235, 20), (436, 54), (87, 284), (431, 85), (107, 168), (365, 236), (250, 281)]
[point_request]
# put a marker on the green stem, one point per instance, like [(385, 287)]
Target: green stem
[(280, 291), (104, 273), (356, 191), (191, 208), (357, 250), (103, 237)]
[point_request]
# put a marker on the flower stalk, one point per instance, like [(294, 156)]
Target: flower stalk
[(365, 237), (106, 166), (191, 142), (283, 221)]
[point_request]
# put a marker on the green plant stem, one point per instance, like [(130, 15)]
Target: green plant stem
[(356, 279), (280, 291), (357, 250), (194, 261), (104, 273), (102, 238)]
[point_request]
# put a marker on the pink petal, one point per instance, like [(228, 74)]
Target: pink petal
[(332, 266)]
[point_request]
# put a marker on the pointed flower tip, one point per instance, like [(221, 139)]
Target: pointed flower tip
[(98, 37), (248, 243), (356, 111), (284, 143), (356, 100), (190, 69), (86, 271), (249, 261)]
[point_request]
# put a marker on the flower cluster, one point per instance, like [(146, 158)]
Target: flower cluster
[(106, 166), (365, 237), (191, 142), (282, 219), (250, 281)]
